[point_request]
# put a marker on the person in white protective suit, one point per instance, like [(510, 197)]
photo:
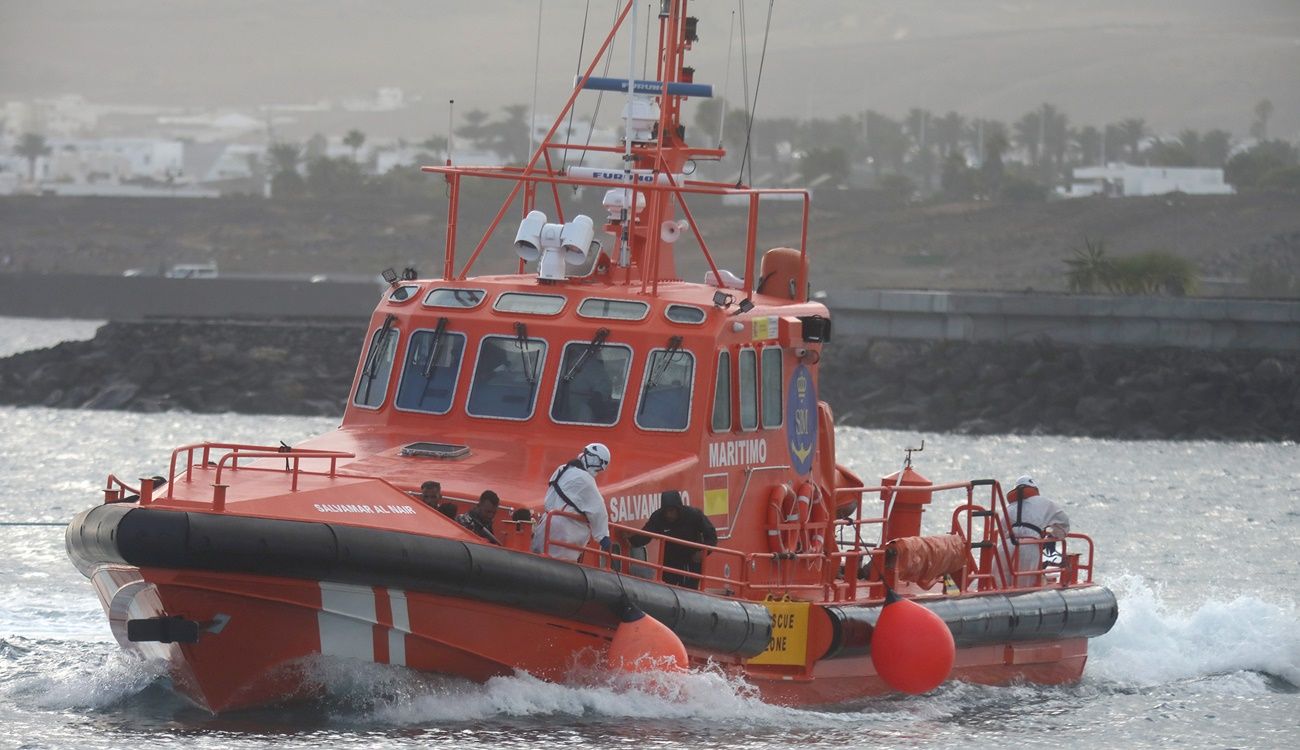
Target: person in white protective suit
[(1034, 517), (572, 490)]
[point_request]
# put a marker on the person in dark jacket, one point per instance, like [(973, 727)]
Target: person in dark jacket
[(479, 518), (679, 522)]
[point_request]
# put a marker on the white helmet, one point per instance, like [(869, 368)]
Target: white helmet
[(595, 458)]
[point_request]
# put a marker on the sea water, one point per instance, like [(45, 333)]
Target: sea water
[(1195, 538)]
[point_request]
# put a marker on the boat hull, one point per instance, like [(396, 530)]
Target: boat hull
[(474, 611)]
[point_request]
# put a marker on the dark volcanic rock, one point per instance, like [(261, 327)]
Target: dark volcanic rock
[(267, 368), (1041, 388), (1021, 388)]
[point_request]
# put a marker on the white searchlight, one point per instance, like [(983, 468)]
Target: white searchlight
[(554, 246)]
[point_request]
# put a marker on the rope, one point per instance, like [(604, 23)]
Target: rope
[(582, 44), (537, 62), (33, 523), (758, 84), (726, 81), (600, 96), (645, 53)]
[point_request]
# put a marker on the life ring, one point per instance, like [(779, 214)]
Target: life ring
[(814, 527), (805, 498), (780, 508)]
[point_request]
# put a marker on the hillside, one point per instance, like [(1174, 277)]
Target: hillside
[(956, 246)]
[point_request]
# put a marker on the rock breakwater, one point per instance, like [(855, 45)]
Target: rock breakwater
[(1020, 388), (1043, 388)]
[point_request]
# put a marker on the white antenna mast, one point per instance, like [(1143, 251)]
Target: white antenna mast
[(625, 249)]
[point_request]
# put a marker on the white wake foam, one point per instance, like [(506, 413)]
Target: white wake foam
[(1155, 643), (57, 675)]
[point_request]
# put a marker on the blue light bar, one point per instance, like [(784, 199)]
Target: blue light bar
[(703, 90)]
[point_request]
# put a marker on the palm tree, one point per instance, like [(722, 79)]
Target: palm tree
[(1214, 148), (1132, 131), (354, 140), (886, 143), (1263, 111), (284, 157), (1088, 142), (1029, 131), (31, 147), (995, 144), (948, 132), (1056, 140)]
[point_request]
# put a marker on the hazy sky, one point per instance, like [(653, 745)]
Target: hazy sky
[(1196, 63)]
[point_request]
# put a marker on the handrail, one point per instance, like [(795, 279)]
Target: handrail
[(244, 450)]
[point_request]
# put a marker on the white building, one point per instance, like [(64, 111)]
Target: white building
[(1127, 180), (87, 160)]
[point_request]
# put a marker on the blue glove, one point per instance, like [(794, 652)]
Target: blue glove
[(604, 544)]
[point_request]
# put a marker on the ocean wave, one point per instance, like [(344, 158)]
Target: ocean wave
[(61, 675), (1155, 642)]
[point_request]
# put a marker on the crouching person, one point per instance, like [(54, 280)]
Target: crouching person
[(572, 490)]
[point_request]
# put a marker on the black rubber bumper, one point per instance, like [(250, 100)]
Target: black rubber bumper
[(992, 618), (150, 537)]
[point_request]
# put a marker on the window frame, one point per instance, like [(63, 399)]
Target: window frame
[(425, 302), (641, 392), (383, 398), (780, 390), (455, 383), (718, 379), (645, 309), (704, 314), (478, 355), (555, 392), (496, 304), (740, 388)]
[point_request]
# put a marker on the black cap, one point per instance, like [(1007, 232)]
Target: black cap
[(670, 499)]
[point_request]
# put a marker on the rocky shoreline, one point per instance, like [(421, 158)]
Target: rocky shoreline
[(1017, 388)]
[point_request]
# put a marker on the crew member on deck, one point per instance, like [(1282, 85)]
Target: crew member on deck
[(1033, 517), (572, 490), (479, 518), (679, 522), (431, 494)]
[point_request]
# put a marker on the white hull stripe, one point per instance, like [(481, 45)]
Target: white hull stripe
[(347, 620), (401, 626)]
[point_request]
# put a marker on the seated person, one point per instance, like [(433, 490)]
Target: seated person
[(431, 494), (679, 522), (479, 518), (447, 508)]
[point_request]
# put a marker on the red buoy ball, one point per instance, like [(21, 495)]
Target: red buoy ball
[(911, 647), (643, 644)]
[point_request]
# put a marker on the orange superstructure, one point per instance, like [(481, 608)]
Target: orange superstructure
[(254, 560)]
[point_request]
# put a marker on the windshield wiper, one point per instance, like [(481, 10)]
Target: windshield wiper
[(433, 348), (372, 361), (666, 358), (594, 347), (521, 343)]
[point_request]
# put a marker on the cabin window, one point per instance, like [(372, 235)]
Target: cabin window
[(430, 371), (684, 314), (591, 383), (722, 394), (748, 390), (666, 390), (378, 365), (403, 292), (614, 309), (772, 387), (458, 298), (506, 376), (529, 304)]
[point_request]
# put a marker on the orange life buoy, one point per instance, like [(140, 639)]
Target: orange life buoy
[(780, 508), (814, 529), (806, 495)]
